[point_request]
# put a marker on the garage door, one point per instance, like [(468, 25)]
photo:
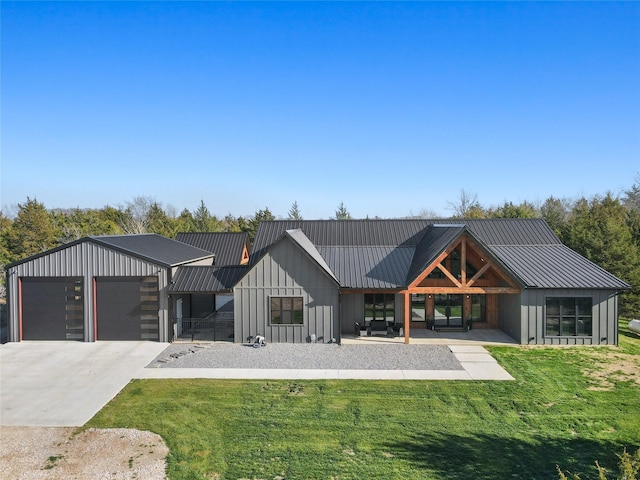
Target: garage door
[(52, 309), (127, 308)]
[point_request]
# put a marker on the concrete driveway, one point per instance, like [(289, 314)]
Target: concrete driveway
[(66, 383)]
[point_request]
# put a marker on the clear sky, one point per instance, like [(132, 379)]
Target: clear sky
[(390, 108)]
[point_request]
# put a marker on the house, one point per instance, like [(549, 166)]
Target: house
[(321, 280)]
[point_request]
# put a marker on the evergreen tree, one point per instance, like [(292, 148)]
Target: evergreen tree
[(342, 213), (556, 213), (294, 212), (159, 222), (511, 210), (259, 216), (203, 220), (598, 230), (32, 231)]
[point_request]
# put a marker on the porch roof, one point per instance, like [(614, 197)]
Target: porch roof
[(206, 279)]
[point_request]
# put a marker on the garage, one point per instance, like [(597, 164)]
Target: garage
[(52, 308), (127, 308), (111, 287)]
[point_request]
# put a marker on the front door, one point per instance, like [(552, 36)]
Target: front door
[(448, 310)]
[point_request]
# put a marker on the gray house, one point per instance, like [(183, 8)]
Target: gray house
[(321, 280), (324, 279)]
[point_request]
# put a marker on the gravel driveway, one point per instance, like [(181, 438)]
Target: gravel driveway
[(308, 356)]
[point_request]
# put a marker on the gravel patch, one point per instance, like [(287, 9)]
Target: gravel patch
[(28, 453), (307, 356)]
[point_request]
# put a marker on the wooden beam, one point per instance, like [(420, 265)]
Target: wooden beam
[(429, 269), (407, 316), (463, 261), (469, 290), (448, 274), (479, 274)]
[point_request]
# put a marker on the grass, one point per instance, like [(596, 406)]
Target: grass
[(567, 407)]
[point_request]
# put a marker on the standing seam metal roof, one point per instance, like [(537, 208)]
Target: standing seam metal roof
[(227, 246)]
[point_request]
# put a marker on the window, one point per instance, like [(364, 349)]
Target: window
[(478, 308), (418, 310), (379, 306), (568, 316), (286, 311)]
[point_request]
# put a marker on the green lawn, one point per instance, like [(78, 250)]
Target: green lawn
[(568, 406)]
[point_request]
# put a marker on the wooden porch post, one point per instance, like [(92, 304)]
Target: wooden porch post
[(407, 316)]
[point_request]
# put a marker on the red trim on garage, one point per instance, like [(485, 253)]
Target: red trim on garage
[(95, 310), (20, 306)]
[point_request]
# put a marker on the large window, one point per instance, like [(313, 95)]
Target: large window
[(568, 316), (479, 308), (286, 311), (379, 306), (418, 307)]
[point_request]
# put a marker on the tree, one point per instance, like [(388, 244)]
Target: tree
[(76, 223), (184, 222), (467, 206), (254, 222), (294, 212), (511, 210), (598, 230), (32, 231), (136, 215), (159, 222), (342, 213), (556, 212), (203, 220)]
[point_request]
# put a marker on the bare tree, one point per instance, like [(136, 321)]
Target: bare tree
[(466, 204), (136, 215)]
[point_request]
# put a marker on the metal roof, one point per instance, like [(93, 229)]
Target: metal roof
[(508, 231), (155, 248), (555, 266), (227, 246), (206, 279), (301, 239), (434, 241), (392, 253), (369, 266)]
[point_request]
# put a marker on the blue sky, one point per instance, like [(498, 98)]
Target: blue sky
[(390, 108)]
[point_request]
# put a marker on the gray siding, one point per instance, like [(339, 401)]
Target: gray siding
[(604, 315), (509, 316), (87, 260), (286, 271)]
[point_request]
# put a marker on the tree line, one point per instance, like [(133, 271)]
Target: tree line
[(603, 228)]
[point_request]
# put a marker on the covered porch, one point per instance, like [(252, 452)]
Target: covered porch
[(488, 336), (456, 292)]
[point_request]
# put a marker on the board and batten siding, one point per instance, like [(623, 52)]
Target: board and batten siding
[(604, 317), (87, 260), (286, 270)]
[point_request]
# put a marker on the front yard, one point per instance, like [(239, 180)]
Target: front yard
[(567, 407)]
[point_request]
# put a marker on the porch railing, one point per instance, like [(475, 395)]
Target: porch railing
[(214, 328)]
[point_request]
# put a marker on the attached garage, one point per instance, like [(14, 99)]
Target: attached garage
[(98, 288), (52, 308)]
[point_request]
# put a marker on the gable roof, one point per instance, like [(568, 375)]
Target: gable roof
[(227, 246), (391, 253), (303, 242), (153, 247), (147, 246)]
